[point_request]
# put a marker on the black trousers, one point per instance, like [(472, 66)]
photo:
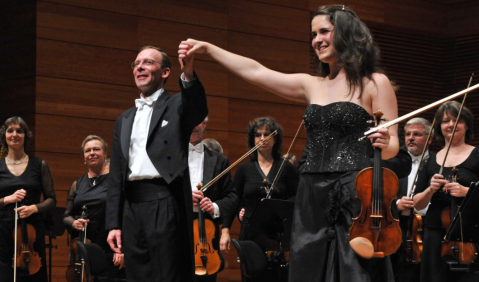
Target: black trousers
[(154, 238)]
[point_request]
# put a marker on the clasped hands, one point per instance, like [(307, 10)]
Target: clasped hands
[(18, 196), (454, 188)]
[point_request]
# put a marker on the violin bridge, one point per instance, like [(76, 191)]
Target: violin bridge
[(376, 215)]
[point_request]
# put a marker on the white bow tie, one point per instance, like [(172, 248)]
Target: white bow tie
[(198, 148), (415, 159), (139, 103)]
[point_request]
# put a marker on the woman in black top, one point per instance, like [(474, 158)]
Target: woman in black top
[(428, 188), (264, 164), (90, 191), (23, 179)]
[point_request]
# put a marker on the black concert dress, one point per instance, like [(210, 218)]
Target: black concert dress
[(433, 268), (91, 193), (36, 180), (325, 202)]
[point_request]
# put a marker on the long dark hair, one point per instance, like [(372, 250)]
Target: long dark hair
[(3, 132), (357, 54), (271, 124)]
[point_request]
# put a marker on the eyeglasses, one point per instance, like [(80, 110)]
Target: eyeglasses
[(266, 134), (147, 63)]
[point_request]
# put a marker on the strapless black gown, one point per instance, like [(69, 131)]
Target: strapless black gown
[(325, 200)]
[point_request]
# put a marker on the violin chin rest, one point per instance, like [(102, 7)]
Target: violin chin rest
[(362, 247), (200, 270)]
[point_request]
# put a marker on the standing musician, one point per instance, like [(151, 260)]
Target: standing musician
[(220, 201), (428, 188), (23, 179), (341, 100), (148, 208), (90, 191), (416, 132)]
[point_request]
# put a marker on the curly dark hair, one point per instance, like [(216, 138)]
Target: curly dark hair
[(357, 54), (271, 124), (452, 107), (3, 131)]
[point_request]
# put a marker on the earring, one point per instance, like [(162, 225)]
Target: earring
[(85, 163)]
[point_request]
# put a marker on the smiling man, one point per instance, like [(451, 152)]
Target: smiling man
[(148, 193)]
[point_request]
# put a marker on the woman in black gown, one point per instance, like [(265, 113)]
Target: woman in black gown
[(428, 188), (23, 179), (350, 87), (90, 191), (264, 165)]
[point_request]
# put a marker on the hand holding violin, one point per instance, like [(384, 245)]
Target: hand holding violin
[(456, 189), (405, 203), (437, 181), (26, 211), (79, 223), (381, 138), (197, 197), (206, 205), (15, 197)]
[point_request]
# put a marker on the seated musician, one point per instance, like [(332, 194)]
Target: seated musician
[(265, 163), (441, 191), (90, 191), (219, 202), (416, 133)]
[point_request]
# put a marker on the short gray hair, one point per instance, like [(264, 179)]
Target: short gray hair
[(419, 120), (213, 145), (104, 145)]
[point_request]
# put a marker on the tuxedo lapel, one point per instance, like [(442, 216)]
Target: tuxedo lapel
[(158, 111), (209, 164), (126, 128)]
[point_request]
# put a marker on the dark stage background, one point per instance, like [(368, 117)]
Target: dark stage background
[(65, 66)]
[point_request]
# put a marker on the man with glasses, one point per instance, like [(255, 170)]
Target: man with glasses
[(149, 199)]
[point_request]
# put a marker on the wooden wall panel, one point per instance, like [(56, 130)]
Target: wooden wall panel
[(268, 20), (86, 26), (462, 18), (210, 13), (118, 6)]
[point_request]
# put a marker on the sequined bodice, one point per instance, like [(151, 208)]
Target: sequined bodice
[(333, 133)]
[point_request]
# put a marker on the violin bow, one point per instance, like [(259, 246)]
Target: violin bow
[(455, 126), (422, 158), (276, 179), (418, 111), (204, 188), (15, 246)]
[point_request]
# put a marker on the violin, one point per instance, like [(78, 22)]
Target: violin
[(375, 232), (463, 253), (208, 261), (76, 267), (26, 260)]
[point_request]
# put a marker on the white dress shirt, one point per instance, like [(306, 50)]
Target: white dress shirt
[(140, 164), (196, 160), (411, 180)]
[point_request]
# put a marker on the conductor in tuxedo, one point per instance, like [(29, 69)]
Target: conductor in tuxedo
[(148, 212), (220, 201), (416, 132)]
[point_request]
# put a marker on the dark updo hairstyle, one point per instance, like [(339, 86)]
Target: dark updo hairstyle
[(452, 107), (271, 124), (3, 131), (357, 54)]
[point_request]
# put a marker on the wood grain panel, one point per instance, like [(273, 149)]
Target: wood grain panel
[(424, 16), (65, 134), (168, 35), (119, 6), (86, 26), (84, 62), (298, 4), (75, 98), (210, 13), (462, 18), (278, 54), (268, 20)]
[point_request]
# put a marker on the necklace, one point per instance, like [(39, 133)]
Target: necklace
[(19, 163)]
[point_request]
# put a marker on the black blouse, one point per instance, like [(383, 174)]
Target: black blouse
[(35, 180), (468, 173), (249, 185), (84, 193)]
